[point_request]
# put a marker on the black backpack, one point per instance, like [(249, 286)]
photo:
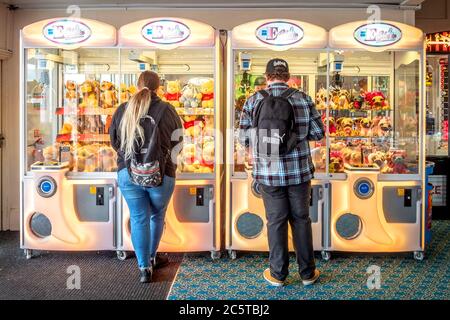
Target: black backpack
[(274, 121), (146, 167)]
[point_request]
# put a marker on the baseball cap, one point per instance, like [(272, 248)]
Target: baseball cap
[(279, 64)]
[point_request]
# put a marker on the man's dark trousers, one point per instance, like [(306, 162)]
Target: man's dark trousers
[(289, 204)]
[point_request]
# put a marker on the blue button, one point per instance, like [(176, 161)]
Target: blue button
[(364, 188), (46, 186)]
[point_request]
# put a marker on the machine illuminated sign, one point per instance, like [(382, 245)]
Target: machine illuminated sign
[(279, 33), (377, 34), (66, 32), (166, 32), (438, 42)]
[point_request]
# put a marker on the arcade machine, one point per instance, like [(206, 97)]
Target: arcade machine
[(69, 74), (437, 106), (377, 159), (186, 55), (250, 46)]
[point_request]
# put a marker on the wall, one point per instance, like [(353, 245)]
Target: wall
[(219, 18), (434, 16), (6, 24)]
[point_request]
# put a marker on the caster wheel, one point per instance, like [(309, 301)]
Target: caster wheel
[(122, 255), (215, 255), (28, 254), (326, 255), (419, 255), (232, 254)]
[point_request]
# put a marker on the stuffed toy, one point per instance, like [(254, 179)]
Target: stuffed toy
[(66, 128), (107, 159), (207, 91), (207, 162), (355, 158), (357, 101), (193, 126), (344, 127), (331, 123), (381, 126), (108, 96), (188, 157), (336, 162), (124, 94), (208, 128), (190, 96), (365, 127), (343, 100), (71, 90), (173, 93), (376, 100), (377, 158), (90, 94), (50, 154), (321, 99)]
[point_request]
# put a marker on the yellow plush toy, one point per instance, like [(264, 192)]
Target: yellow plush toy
[(89, 93), (173, 93), (207, 91), (108, 96), (71, 90), (124, 94), (207, 163), (192, 126)]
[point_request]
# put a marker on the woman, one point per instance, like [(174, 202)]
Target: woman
[(147, 205)]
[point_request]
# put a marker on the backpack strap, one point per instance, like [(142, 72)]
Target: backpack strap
[(288, 92), (264, 93)]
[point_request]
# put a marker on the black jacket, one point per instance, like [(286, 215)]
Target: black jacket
[(170, 121)]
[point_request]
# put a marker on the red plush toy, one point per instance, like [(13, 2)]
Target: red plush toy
[(376, 100)]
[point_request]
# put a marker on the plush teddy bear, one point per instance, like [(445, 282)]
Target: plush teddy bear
[(207, 91), (71, 90), (193, 126), (108, 96), (89, 94), (189, 157), (173, 93), (207, 163), (190, 96)]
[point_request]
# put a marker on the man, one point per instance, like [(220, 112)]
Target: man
[(285, 179)]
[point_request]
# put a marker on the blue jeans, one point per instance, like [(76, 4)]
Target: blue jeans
[(147, 212)]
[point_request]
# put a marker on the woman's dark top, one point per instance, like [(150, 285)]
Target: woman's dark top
[(170, 121)]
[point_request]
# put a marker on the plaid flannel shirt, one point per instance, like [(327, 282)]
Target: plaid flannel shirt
[(295, 167)]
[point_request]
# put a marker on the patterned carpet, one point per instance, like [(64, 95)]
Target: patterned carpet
[(344, 276)]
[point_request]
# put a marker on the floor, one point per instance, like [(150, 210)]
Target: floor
[(343, 277), (102, 275)]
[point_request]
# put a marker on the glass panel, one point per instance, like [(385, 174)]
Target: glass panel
[(305, 75), (188, 84), (437, 101), (70, 98), (361, 123)]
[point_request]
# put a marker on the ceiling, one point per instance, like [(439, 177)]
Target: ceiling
[(32, 4)]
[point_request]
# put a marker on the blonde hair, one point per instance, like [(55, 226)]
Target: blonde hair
[(131, 130)]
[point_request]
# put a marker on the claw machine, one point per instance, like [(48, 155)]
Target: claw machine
[(250, 47), (437, 108), (69, 76), (376, 138), (186, 54)]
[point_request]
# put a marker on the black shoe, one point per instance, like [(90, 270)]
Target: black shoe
[(160, 261), (146, 275)]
